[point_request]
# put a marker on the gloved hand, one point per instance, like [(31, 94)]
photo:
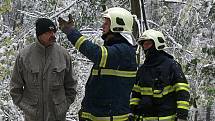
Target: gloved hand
[(66, 26), (131, 117)]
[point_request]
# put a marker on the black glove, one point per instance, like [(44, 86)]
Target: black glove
[(66, 26)]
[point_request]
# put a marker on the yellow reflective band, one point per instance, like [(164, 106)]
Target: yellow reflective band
[(120, 118), (114, 73), (166, 90), (94, 118), (158, 95), (150, 118), (183, 105), (154, 93), (95, 72), (104, 57), (157, 91), (167, 118), (181, 86), (134, 101), (79, 42), (146, 91), (136, 88)]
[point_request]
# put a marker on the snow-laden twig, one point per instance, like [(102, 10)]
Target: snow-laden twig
[(168, 35), (189, 52), (114, 3), (57, 14), (25, 33), (8, 28), (179, 46), (28, 13), (40, 13), (28, 31), (211, 64)]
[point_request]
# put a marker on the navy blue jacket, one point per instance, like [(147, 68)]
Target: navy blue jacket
[(112, 78), (161, 90)]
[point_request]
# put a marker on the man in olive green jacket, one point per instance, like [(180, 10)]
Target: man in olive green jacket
[(42, 85)]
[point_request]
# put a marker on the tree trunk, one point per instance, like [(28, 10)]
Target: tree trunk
[(17, 17), (135, 9), (196, 115), (208, 112)]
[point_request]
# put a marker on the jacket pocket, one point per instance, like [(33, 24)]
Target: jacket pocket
[(32, 77), (29, 107), (57, 75), (60, 103)]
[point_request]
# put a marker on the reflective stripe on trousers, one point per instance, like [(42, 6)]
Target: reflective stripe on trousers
[(90, 117), (165, 118)]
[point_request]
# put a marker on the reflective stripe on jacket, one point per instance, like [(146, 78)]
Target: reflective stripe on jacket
[(160, 90), (112, 77)]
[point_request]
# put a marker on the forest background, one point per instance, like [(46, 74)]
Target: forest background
[(189, 27)]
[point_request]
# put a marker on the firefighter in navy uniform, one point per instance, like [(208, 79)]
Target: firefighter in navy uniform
[(161, 91), (113, 74)]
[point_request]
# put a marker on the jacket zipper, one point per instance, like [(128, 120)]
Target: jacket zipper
[(43, 84)]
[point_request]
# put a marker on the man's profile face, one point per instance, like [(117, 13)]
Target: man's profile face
[(147, 44), (106, 25)]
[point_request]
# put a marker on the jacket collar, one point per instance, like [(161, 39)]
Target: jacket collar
[(113, 38), (156, 58), (42, 47)]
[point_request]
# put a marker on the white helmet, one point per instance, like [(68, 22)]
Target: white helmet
[(121, 19), (154, 35)]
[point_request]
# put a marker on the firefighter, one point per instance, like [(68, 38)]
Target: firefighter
[(108, 88), (161, 91)]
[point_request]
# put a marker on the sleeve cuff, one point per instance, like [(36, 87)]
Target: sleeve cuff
[(182, 114)]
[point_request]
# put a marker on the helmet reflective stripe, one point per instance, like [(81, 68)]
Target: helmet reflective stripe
[(154, 35), (121, 19)]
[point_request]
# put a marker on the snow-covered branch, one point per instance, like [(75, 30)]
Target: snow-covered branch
[(33, 15), (211, 64), (8, 28), (168, 35), (62, 11)]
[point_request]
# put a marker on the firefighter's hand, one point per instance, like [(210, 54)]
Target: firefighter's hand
[(131, 117), (66, 26)]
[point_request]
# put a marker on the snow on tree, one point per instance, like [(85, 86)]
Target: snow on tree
[(189, 26)]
